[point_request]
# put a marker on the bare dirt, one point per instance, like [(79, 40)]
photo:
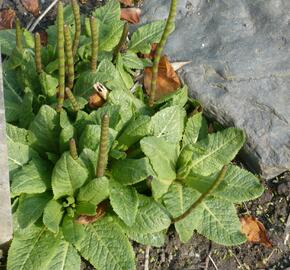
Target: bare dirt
[(272, 209)]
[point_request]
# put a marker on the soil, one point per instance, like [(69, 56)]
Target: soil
[(272, 209)]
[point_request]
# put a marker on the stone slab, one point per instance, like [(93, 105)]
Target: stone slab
[(240, 69)]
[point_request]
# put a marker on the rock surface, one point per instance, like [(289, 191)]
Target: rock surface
[(240, 69)]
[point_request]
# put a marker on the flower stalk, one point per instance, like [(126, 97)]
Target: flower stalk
[(103, 148), (72, 99), (73, 149), (95, 43), (167, 30), (77, 17), (37, 50), (19, 45), (122, 40), (69, 58), (61, 57), (214, 185)]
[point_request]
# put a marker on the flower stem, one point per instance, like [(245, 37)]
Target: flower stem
[(18, 35), (73, 149), (103, 148), (76, 12), (72, 99), (122, 40), (69, 58), (214, 185), (37, 50), (95, 43), (61, 58), (160, 47)]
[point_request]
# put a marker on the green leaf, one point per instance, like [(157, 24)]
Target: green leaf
[(151, 217), (90, 137), (45, 128), (136, 130), (146, 35), (178, 97), (177, 200), (112, 111), (66, 257), (95, 191), (218, 221), (86, 208), (48, 84), (64, 137), (238, 185), (52, 215), (214, 218), (192, 129), (110, 35), (72, 231), (84, 84), (18, 155), (26, 110), (156, 239), (31, 208), (123, 79), (111, 11), (124, 201), (163, 156), (169, 124), (32, 249), (82, 102), (32, 178), (211, 154), (12, 99), (89, 159), (106, 247), (132, 171), (132, 61), (7, 41), (16, 134), (68, 175)]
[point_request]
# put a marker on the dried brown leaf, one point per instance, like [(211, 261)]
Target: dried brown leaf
[(32, 6), (167, 80), (96, 101), (127, 2), (131, 15), (7, 17), (254, 231), (100, 212)]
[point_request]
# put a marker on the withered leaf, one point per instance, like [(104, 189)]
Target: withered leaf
[(96, 101), (254, 230), (32, 6), (6, 18), (127, 2), (100, 212), (167, 80), (131, 15)]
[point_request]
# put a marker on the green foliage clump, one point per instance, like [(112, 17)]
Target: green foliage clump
[(84, 182)]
